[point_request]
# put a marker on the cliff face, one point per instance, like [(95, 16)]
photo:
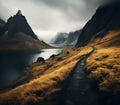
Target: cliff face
[(106, 18), (73, 36)]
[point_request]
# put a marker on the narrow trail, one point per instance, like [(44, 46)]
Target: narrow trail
[(79, 91), (82, 91)]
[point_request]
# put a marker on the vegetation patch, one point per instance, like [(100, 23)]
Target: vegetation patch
[(42, 88), (104, 64)]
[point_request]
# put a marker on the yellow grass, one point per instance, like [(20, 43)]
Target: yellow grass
[(46, 79), (46, 82), (104, 64), (111, 39)]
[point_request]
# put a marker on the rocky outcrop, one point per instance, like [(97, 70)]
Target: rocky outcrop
[(106, 18), (40, 59)]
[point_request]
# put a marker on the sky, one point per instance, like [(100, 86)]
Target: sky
[(48, 17)]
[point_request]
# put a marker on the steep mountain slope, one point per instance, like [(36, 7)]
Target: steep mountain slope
[(2, 23), (17, 34), (103, 32), (106, 18)]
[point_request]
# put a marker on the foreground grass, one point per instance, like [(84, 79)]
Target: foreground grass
[(47, 79), (104, 64)]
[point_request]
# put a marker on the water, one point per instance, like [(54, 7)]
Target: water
[(14, 64)]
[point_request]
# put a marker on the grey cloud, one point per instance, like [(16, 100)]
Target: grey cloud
[(47, 17)]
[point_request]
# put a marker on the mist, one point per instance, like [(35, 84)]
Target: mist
[(48, 17)]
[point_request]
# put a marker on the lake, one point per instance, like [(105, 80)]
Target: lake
[(14, 64)]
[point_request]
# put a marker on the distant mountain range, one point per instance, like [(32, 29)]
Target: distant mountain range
[(17, 34), (106, 18), (66, 39)]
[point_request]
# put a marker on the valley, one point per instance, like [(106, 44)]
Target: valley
[(85, 72)]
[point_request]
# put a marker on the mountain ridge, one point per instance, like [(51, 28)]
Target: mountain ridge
[(105, 19), (66, 39)]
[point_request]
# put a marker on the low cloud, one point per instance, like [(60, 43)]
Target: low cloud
[(47, 17)]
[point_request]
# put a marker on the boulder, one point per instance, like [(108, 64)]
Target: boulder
[(40, 59)]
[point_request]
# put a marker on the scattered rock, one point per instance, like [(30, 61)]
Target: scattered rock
[(40, 59), (53, 56), (67, 52), (59, 59)]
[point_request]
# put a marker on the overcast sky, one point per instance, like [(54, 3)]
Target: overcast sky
[(47, 17)]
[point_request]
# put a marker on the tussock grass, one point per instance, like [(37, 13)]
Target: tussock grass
[(104, 64), (45, 83)]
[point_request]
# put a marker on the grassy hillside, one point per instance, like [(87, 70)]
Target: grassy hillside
[(44, 79), (18, 45), (104, 64), (42, 83)]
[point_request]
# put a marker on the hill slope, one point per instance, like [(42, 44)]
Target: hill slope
[(105, 19)]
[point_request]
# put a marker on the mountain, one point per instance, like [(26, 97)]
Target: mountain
[(2, 23), (65, 39), (106, 18), (73, 36), (18, 35), (60, 39)]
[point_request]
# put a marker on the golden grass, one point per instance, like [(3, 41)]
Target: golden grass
[(111, 39), (46, 82), (35, 45), (104, 63), (46, 79)]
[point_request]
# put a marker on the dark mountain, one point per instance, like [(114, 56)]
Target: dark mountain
[(17, 34), (65, 39), (106, 18), (18, 23), (73, 36), (2, 23), (60, 38)]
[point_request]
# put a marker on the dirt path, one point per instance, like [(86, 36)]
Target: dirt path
[(79, 91)]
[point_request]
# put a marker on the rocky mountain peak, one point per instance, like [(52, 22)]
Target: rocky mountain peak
[(18, 23), (19, 12)]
